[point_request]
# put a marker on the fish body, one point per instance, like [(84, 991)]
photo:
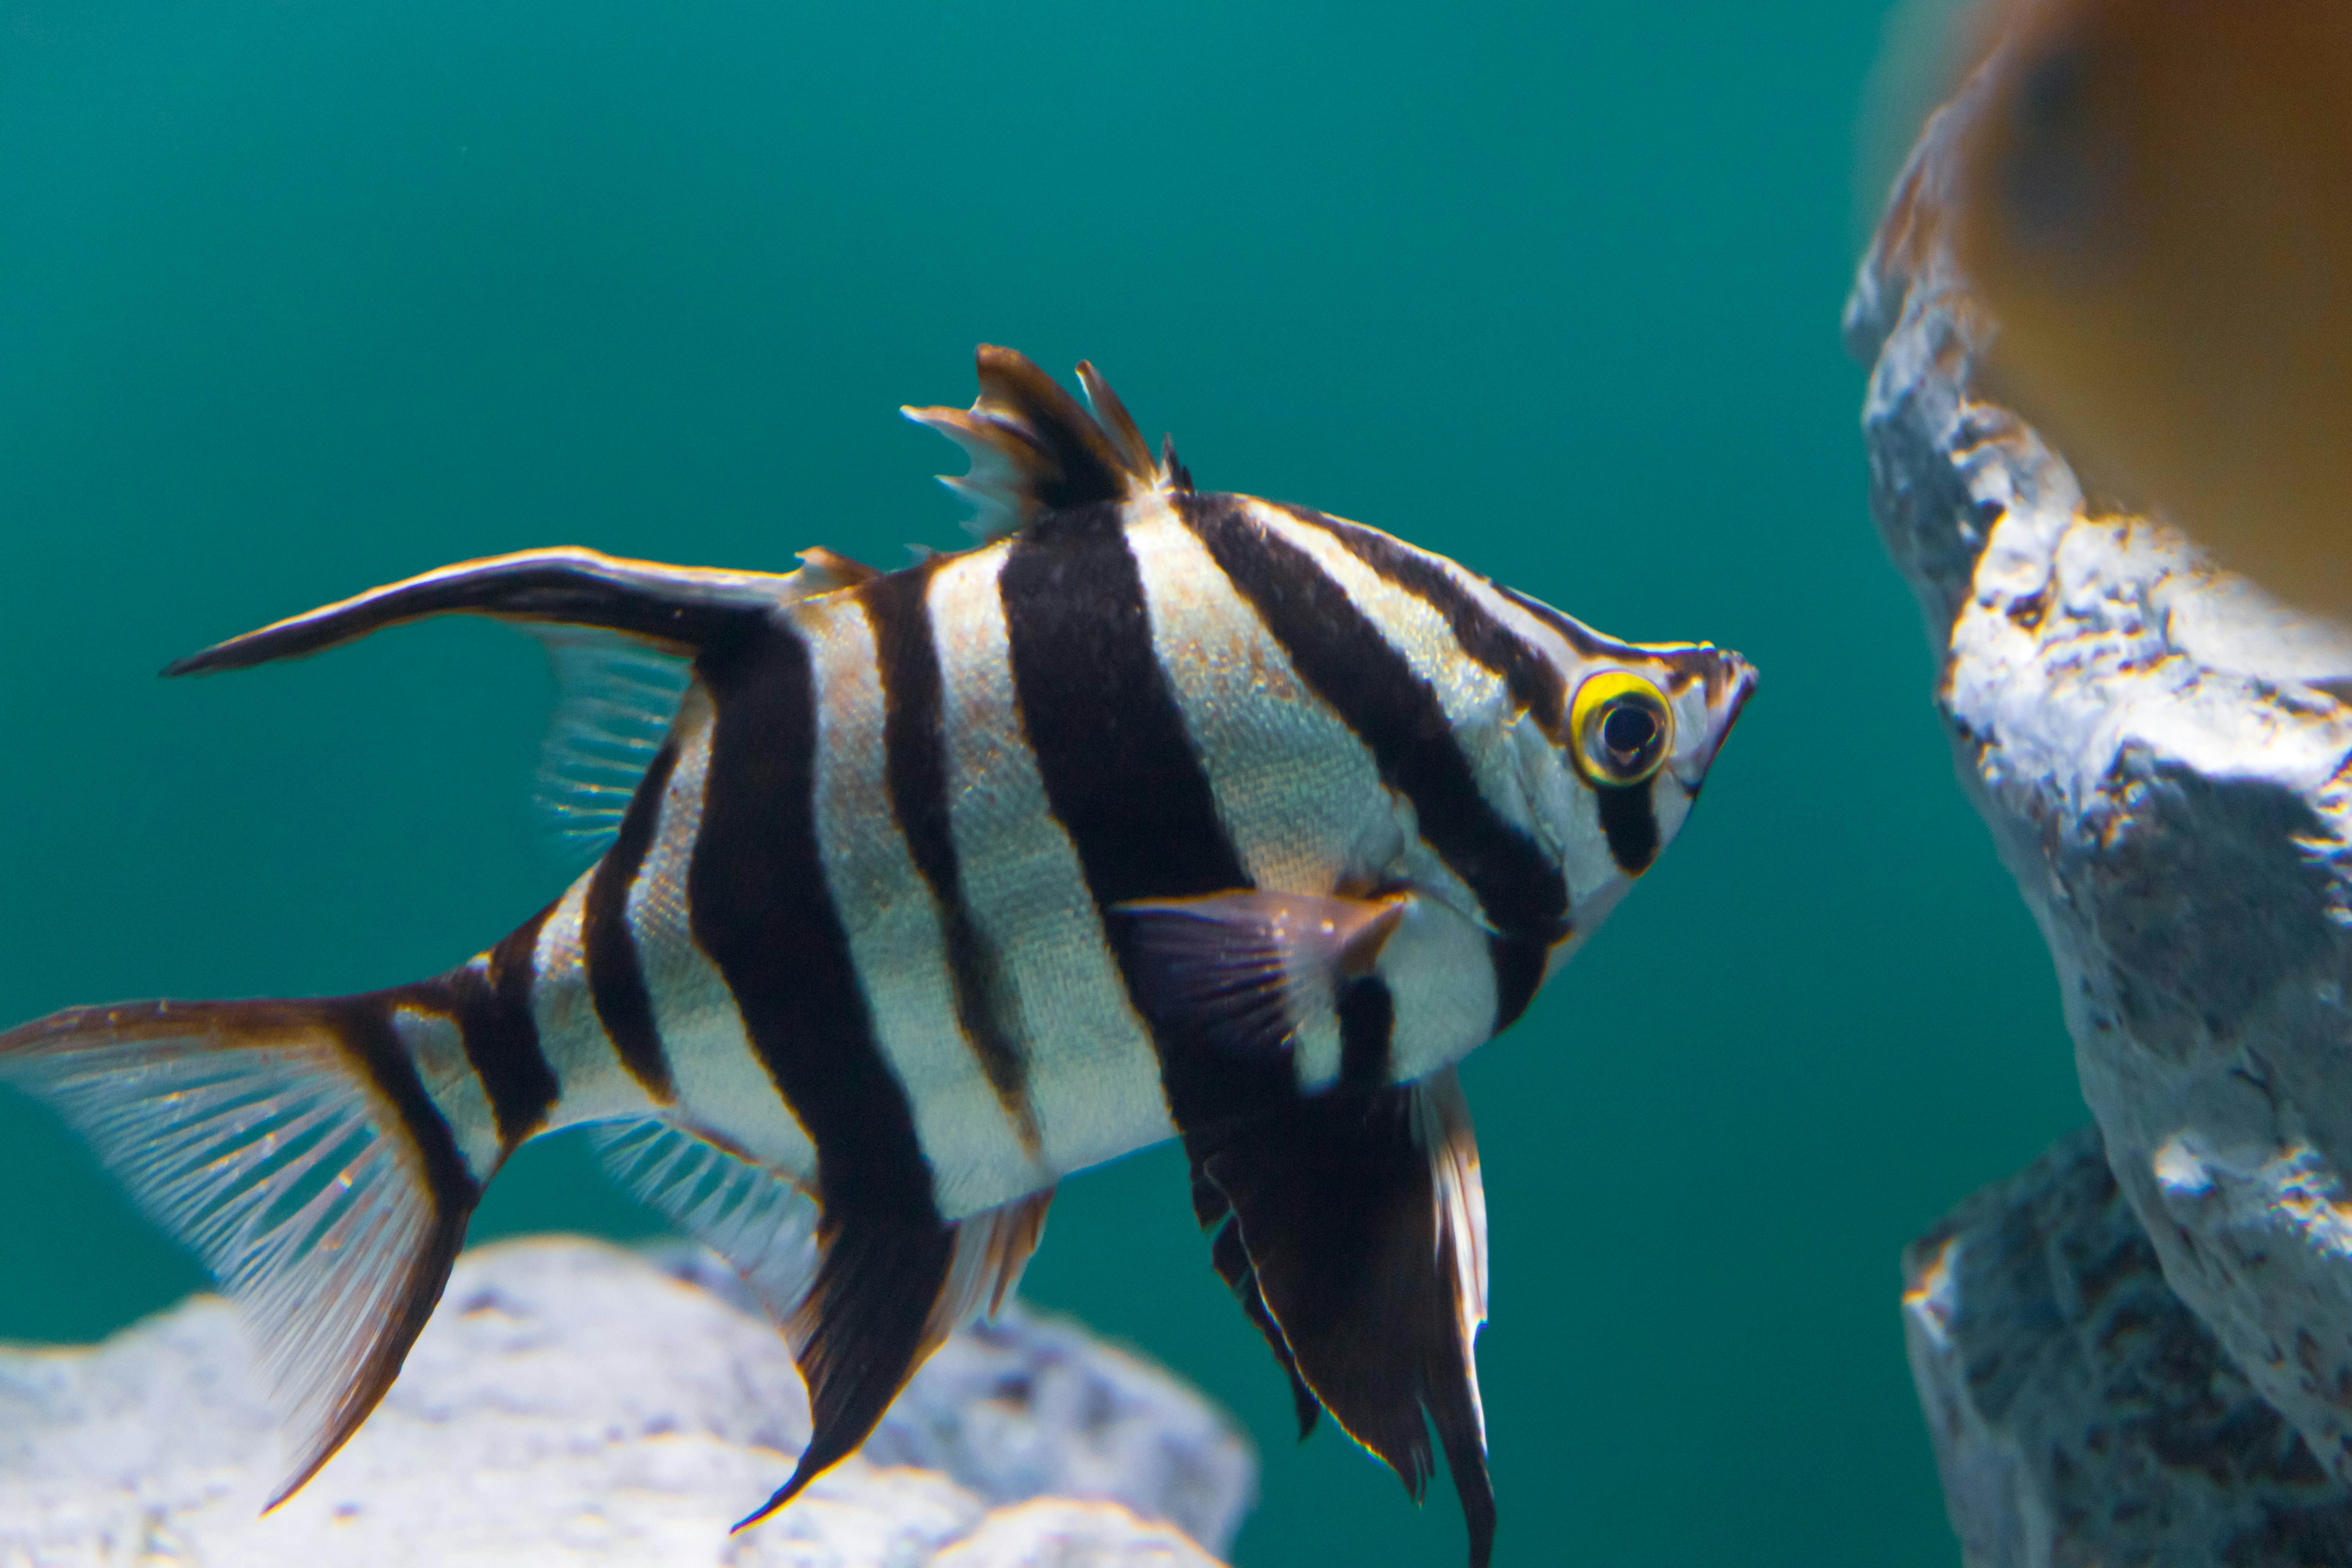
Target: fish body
[(1160, 814)]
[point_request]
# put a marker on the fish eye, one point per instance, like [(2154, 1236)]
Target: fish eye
[(1623, 729)]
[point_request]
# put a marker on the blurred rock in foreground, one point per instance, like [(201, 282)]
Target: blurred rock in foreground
[(2159, 751), (574, 1403), (2081, 1416)]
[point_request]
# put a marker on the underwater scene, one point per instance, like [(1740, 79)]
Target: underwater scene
[(1159, 826)]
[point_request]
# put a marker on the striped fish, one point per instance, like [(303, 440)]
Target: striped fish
[(1159, 813)]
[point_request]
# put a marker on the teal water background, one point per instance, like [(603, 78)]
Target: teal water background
[(301, 296)]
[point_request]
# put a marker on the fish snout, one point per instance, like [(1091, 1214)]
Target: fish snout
[(1730, 681)]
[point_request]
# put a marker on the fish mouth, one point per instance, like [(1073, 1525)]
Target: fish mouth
[(1730, 686)]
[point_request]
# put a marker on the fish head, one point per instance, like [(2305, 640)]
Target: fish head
[(1705, 687), (1617, 775)]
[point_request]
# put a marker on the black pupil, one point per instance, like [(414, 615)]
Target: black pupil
[(1627, 731)]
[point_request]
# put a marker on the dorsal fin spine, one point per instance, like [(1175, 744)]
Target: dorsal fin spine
[(1034, 450)]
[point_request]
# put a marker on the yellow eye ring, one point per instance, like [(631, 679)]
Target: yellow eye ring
[(1619, 729)]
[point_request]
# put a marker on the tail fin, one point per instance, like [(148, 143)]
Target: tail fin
[(294, 1146)]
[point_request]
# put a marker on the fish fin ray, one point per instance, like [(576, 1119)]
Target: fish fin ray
[(861, 1297), (992, 1251), (269, 1138), (762, 1223), (1443, 1127), (679, 610), (890, 1290), (1035, 449), (1244, 972), (867, 1322), (1231, 1260), (1362, 1218), (615, 697), (827, 570)]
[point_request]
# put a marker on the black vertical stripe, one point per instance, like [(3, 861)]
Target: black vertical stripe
[(1536, 683), (492, 1006), (1367, 1033), (1354, 668), (915, 768), (362, 1025), (616, 975), (1519, 971), (1630, 824), (1587, 643), (1119, 767), (759, 907)]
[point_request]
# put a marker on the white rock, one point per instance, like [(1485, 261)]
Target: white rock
[(1055, 1533), (572, 1403), (1026, 1406), (2081, 1414), (2157, 751)]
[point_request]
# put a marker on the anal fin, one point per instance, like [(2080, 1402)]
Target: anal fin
[(1362, 1219), (861, 1331), (863, 1296), (889, 1290), (1234, 1266)]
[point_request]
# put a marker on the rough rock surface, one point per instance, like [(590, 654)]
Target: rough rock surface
[(2082, 1415), (2159, 751), (574, 1403)]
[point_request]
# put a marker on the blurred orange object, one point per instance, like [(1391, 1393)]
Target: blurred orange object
[(2154, 201)]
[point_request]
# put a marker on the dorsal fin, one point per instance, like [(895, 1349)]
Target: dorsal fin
[(1034, 450), (616, 699), (825, 569), (675, 608), (618, 632)]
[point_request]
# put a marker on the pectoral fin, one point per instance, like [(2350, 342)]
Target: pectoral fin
[(1244, 972), (1363, 1222)]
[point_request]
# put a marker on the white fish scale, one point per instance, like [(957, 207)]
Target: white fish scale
[(592, 1084), (892, 923), (1571, 831), (723, 1086), (1297, 793), (1566, 816), (438, 1051), (1094, 1079), (1441, 981), (1299, 796), (1479, 706), (1476, 702)]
